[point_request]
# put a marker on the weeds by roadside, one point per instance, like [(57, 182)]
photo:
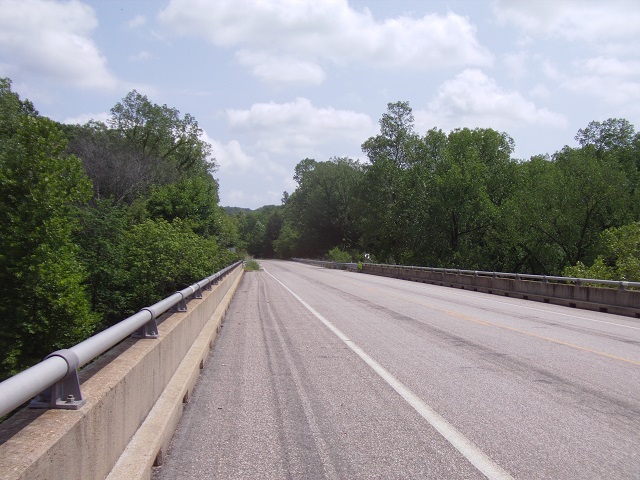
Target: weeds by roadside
[(251, 266)]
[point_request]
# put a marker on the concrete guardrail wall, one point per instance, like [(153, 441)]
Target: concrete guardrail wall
[(134, 400)]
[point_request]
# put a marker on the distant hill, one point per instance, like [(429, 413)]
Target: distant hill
[(233, 211)]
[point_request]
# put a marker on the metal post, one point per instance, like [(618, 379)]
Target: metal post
[(66, 393), (149, 329)]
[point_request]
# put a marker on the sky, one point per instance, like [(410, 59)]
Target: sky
[(272, 82)]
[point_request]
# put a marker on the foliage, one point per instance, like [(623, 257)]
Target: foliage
[(159, 257), (159, 133), (259, 230), (324, 209), (339, 256), (461, 200), (193, 199), (251, 266), (74, 258), (43, 302), (286, 243), (620, 259)]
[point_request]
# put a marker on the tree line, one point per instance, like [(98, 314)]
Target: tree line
[(99, 220), (460, 200)]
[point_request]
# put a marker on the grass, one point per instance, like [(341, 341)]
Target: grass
[(251, 266)]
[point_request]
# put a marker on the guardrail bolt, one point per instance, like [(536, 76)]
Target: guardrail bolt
[(71, 398)]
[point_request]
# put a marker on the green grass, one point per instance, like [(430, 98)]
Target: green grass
[(251, 266)]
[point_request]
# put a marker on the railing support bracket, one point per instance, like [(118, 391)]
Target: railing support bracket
[(66, 393), (149, 329)]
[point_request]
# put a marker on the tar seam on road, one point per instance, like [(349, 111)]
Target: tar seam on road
[(321, 446), (466, 447)]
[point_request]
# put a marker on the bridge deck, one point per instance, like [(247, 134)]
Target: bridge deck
[(373, 377)]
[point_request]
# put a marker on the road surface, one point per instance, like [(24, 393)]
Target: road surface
[(329, 374)]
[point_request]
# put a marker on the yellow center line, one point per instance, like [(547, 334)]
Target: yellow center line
[(477, 321)]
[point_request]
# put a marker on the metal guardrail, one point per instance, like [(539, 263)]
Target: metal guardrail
[(478, 273), (54, 382)]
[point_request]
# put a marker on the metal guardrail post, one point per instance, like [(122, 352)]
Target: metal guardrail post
[(181, 306), (149, 329)]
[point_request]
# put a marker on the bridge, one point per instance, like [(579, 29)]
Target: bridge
[(331, 373)]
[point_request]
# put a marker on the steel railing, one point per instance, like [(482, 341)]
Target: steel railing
[(54, 381)]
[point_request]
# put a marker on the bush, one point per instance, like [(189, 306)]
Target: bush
[(339, 256), (251, 265)]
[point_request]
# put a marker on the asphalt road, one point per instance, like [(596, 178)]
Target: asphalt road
[(329, 374)]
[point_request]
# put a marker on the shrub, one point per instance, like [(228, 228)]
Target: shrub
[(339, 256)]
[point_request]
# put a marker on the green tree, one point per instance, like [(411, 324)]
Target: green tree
[(43, 303), (396, 141), (160, 257), (458, 190), (323, 207), (159, 133), (563, 206), (287, 242), (193, 199), (620, 257)]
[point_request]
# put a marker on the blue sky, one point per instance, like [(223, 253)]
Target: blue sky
[(272, 82)]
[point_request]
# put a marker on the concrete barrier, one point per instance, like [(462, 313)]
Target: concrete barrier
[(611, 300), (135, 395)]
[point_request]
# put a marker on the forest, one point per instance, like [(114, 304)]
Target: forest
[(101, 219), (460, 200)]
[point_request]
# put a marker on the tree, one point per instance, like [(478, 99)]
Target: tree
[(160, 133), (160, 257), (43, 303), (396, 141), (470, 183), (193, 199), (287, 242), (565, 203), (620, 257), (118, 172), (323, 207), (612, 134)]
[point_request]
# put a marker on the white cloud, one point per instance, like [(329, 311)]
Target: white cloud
[(308, 34), (540, 90), (299, 126), (137, 21), (281, 70), (615, 81), (586, 20), (611, 67), (517, 64), (52, 40), (140, 56), (608, 88), (230, 157), (472, 99)]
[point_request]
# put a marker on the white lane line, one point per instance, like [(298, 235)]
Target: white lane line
[(466, 447)]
